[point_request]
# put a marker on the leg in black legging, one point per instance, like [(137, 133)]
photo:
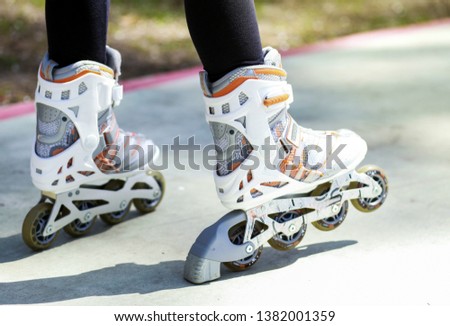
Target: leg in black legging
[(76, 30), (225, 34)]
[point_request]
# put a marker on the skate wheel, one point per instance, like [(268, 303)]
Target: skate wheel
[(283, 242), (149, 205), (34, 225), (77, 228), (236, 235), (118, 216), (115, 217), (370, 204), (332, 222)]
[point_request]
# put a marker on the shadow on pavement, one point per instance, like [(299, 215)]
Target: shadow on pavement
[(143, 279), (13, 248), (110, 281), (272, 259)]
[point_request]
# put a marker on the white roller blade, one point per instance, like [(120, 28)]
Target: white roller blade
[(274, 174), (83, 163)]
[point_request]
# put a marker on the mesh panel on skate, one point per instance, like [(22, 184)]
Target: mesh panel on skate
[(231, 146), (65, 95), (270, 77), (226, 108), (255, 193), (82, 88), (237, 74), (274, 184), (86, 173), (50, 128), (242, 98), (69, 136)]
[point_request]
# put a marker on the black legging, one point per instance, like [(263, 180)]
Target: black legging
[(76, 30), (224, 32)]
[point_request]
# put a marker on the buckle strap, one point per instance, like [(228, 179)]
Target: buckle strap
[(117, 95)]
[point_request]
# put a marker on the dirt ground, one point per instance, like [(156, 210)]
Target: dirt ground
[(153, 37)]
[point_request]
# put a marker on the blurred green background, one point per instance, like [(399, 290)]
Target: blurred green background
[(153, 37)]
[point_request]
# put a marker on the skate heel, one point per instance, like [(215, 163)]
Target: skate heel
[(200, 270), (223, 242)]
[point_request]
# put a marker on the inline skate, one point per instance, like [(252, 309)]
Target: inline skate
[(83, 163), (275, 175)]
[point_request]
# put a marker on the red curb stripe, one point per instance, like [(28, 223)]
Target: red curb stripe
[(355, 40), (365, 38), (158, 79), (15, 110)]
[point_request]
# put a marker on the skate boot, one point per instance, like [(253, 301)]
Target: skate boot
[(83, 163), (275, 175)]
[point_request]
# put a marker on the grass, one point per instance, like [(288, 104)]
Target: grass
[(153, 37)]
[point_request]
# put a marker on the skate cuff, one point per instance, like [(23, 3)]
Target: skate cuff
[(47, 67)]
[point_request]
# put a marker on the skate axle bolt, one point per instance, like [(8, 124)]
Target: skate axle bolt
[(87, 216), (249, 249), (292, 228), (123, 204), (335, 208), (156, 194)]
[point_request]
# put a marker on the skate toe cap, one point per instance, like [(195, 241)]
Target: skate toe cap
[(350, 148)]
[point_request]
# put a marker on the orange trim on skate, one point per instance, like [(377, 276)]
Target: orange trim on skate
[(275, 100), (47, 71), (294, 171), (57, 151), (273, 184), (71, 78), (268, 71), (287, 161), (235, 165), (249, 176), (233, 85), (108, 70)]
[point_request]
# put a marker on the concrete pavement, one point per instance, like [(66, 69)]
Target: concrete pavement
[(391, 88)]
